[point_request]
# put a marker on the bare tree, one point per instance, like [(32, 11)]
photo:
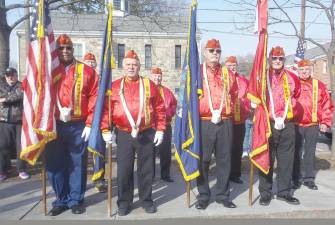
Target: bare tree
[(152, 9), (6, 29), (279, 14)]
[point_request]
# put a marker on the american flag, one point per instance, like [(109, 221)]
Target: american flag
[(299, 55), (38, 122)]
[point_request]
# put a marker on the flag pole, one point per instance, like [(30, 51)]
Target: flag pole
[(40, 36), (43, 177), (251, 182), (188, 190), (109, 163)]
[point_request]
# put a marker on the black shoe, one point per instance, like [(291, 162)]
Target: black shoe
[(123, 211), (167, 179), (56, 210), (236, 180), (226, 203), (78, 209), (201, 205), (265, 201), (296, 185), (289, 199), (311, 185), (150, 209)]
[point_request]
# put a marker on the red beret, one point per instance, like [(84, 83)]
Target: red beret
[(64, 39), (213, 43), (89, 56), (156, 70), (131, 54), (231, 59), (277, 51), (304, 62)]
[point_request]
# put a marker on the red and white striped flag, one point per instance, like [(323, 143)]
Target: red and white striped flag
[(299, 55), (38, 122)]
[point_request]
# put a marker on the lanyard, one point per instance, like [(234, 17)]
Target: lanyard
[(125, 108), (209, 91), (272, 102)]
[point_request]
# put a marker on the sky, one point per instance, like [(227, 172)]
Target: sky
[(224, 20)]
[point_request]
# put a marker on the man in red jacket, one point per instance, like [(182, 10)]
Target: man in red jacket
[(66, 157), (283, 89), (138, 113), (216, 127), (170, 103), (317, 115), (241, 113)]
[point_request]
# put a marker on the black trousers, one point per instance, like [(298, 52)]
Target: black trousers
[(282, 144), (237, 150), (304, 158), (217, 139), (10, 141), (126, 148), (165, 153)]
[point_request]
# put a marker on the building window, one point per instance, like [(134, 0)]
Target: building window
[(324, 67), (78, 52), (120, 55), (117, 4), (177, 56), (148, 56)]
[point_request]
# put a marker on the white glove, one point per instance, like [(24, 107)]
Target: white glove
[(86, 133), (279, 123), (216, 116), (65, 114), (108, 137), (158, 139), (253, 105)]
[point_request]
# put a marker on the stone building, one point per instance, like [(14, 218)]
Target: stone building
[(159, 43)]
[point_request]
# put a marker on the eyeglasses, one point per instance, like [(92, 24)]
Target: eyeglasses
[(61, 48), (278, 58), (211, 50)]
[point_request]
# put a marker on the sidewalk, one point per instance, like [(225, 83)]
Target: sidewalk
[(21, 200)]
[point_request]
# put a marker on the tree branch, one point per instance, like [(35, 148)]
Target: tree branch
[(61, 5), (289, 18), (17, 6), (317, 44), (17, 22)]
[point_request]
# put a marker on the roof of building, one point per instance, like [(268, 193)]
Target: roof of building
[(129, 23), (311, 54)]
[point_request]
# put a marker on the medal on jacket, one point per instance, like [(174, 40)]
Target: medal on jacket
[(279, 121), (216, 114), (134, 127)]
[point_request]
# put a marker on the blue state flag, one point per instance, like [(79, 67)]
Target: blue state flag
[(186, 135), (96, 144)]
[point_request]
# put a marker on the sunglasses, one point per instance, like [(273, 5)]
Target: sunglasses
[(278, 58), (216, 50), (61, 48)]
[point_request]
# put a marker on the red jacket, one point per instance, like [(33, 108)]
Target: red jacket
[(241, 113), (277, 84), (153, 106), (78, 85), (324, 103), (216, 87), (170, 102)]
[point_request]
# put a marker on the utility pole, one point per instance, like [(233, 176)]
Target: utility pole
[(302, 19)]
